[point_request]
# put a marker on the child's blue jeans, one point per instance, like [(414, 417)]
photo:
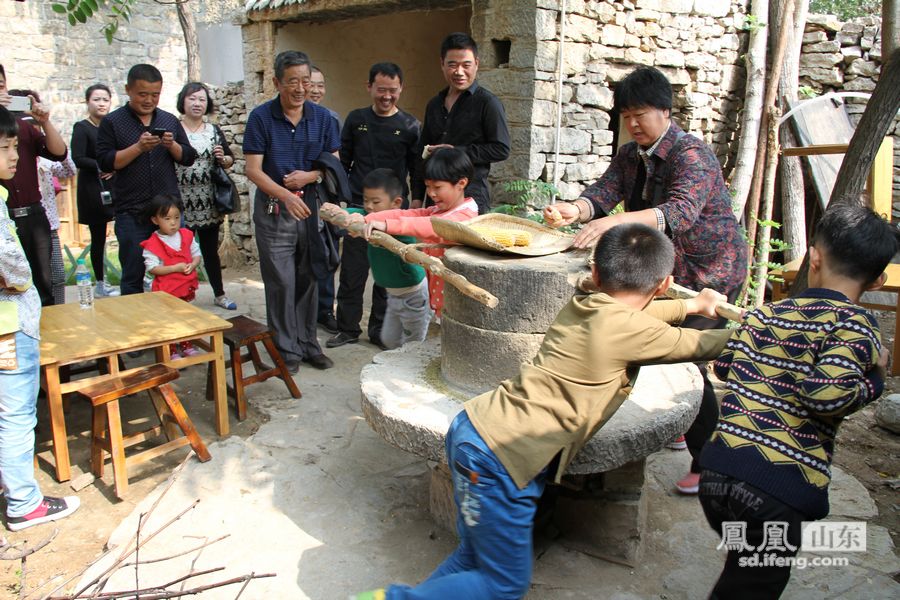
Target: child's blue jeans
[(18, 402), (494, 522)]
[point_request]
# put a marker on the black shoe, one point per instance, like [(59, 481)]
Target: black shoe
[(376, 340), (328, 323), (319, 361), (341, 339), (292, 366)]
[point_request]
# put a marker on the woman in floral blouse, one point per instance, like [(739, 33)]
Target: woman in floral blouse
[(671, 181)]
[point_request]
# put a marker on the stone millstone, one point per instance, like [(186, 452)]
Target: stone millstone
[(887, 413), (531, 291)]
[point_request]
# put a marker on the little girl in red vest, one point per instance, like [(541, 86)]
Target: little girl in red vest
[(172, 255)]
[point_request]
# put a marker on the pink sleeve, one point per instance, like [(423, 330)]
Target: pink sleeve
[(420, 227), (399, 213)]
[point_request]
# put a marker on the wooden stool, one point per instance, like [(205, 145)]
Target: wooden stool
[(106, 432), (246, 332)]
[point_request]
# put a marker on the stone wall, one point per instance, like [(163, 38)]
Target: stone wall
[(847, 57)]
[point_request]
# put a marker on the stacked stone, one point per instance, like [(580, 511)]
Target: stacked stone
[(232, 118), (847, 57), (696, 44)]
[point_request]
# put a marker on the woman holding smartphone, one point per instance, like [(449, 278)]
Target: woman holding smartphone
[(200, 215), (94, 199)]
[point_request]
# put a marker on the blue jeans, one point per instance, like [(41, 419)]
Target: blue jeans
[(494, 522), (18, 402), (131, 230)]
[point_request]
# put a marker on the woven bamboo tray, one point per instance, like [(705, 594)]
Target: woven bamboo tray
[(544, 241)]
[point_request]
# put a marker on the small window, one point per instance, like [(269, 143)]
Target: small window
[(501, 52), (260, 77)]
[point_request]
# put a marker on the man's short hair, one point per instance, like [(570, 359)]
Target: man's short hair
[(94, 88), (383, 179), (8, 126), (449, 164), (633, 258), (143, 72), (315, 69), (290, 58), (645, 86), (858, 244), (388, 69), (458, 41), (191, 88)]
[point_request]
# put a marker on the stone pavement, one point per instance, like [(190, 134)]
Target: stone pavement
[(319, 499)]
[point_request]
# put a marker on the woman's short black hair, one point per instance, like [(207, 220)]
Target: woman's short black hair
[(161, 204), (193, 87), (858, 244), (643, 87), (94, 88), (633, 258), (449, 164), (9, 128)]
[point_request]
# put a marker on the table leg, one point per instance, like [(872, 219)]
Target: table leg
[(57, 423), (218, 375)]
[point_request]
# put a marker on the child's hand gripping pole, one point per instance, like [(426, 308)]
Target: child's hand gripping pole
[(341, 218), (677, 292)]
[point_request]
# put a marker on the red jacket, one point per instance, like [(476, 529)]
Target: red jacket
[(178, 284)]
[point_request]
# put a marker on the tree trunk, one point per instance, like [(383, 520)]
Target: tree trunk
[(890, 34), (761, 266), (793, 200), (752, 109), (186, 18), (784, 33), (873, 126)]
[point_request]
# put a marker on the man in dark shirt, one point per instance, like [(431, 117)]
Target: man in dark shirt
[(141, 143), (377, 136), (37, 137), (282, 139), (464, 115)]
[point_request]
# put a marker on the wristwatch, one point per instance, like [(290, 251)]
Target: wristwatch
[(319, 177)]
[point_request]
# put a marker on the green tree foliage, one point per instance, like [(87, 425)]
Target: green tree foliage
[(79, 11), (846, 9)]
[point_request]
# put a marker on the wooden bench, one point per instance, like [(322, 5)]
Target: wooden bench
[(789, 274), (106, 431), (245, 332)]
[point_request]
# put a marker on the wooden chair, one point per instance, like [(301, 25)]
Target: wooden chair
[(106, 431), (247, 332)]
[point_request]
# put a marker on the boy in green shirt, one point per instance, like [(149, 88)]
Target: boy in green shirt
[(408, 314)]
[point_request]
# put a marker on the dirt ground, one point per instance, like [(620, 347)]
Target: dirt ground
[(869, 453)]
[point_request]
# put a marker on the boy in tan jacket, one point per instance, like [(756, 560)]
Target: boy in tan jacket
[(505, 444)]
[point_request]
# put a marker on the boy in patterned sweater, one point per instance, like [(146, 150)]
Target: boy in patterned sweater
[(793, 371)]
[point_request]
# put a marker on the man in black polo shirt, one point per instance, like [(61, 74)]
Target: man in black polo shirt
[(141, 143), (464, 115), (377, 136)]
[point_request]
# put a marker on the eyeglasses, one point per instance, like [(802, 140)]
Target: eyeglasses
[(295, 84)]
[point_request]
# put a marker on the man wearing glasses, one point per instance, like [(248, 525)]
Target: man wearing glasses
[(282, 139)]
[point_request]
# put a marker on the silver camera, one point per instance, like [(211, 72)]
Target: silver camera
[(105, 198)]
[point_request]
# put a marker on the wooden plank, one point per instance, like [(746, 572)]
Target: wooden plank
[(881, 179), (815, 150)]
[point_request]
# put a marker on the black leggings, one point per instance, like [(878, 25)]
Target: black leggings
[(208, 239), (98, 247)]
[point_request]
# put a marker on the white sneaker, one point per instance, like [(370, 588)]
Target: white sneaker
[(103, 289), (225, 302)]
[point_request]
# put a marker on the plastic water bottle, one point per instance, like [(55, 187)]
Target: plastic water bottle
[(83, 281)]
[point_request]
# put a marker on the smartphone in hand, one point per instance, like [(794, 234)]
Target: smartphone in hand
[(19, 104), (159, 131)]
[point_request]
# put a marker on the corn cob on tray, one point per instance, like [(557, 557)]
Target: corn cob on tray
[(504, 233)]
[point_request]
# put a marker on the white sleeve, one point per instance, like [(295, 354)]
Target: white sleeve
[(151, 260)]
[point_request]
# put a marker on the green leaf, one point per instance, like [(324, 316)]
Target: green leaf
[(92, 4), (87, 10), (79, 14), (72, 20), (58, 8), (73, 4)]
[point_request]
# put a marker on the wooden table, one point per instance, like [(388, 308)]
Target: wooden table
[(71, 334), (789, 273)]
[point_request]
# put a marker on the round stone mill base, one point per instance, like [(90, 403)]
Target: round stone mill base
[(408, 403)]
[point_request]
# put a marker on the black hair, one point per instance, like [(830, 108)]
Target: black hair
[(3, 71), (290, 58), (458, 41), (143, 72), (383, 179), (643, 87), (193, 87), (633, 258), (388, 69), (161, 204), (8, 126), (94, 88), (449, 164), (315, 69), (25, 94), (858, 244)]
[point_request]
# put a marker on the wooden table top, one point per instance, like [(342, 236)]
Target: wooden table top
[(70, 333)]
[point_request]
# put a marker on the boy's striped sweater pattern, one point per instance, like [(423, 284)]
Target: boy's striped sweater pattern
[(793, 371)]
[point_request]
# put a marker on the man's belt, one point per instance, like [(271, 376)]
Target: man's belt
[(24, 211)]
